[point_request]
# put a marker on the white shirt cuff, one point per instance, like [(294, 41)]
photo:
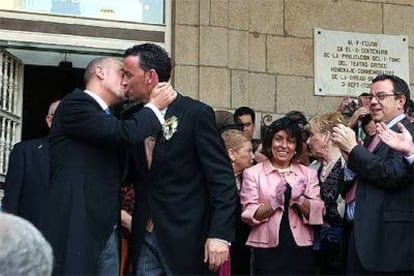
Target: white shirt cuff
[(223, 241), (410, 159), (156, 111)]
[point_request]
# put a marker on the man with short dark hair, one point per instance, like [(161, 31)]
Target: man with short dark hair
[(380, 206), (185, 191), (245, 117)]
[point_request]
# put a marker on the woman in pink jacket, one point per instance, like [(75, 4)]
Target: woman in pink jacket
[(281, 203)]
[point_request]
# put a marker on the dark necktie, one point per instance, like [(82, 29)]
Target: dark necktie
[(350, 196)]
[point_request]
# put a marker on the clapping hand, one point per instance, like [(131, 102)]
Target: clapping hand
[(279, 200), (399, 141), (297, 191), (344, 137)]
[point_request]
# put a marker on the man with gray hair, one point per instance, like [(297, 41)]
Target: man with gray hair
[(24, 251)]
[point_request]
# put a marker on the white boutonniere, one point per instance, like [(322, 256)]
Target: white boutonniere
[(169, 127)]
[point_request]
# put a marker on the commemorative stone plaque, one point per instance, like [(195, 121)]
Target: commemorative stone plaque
[(346, 62)]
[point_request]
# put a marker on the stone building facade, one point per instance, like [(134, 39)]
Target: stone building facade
[(227, 53), (260, 53)]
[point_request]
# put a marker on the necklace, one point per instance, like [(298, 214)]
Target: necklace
[(284, 171), (326, 169)]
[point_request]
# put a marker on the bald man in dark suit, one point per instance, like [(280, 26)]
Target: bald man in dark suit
[(28, 175), (82, 209)]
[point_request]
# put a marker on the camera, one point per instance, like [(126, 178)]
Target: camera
[(350, 107)]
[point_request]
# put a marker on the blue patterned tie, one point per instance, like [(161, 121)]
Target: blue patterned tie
[(107, 111)]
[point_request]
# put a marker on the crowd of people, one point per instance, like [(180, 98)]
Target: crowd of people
[(193, 192)]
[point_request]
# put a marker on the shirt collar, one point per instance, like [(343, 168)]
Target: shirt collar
[(395, 120), (268, 167), (98, 99)]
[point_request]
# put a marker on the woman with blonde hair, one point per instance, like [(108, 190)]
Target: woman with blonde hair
[(328, 241), (240, 151)]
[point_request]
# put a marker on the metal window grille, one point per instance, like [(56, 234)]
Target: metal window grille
[(11, 97)]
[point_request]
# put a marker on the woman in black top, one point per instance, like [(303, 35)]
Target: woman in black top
[(331, 174)]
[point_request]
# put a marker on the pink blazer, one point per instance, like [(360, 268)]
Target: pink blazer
[(259, 185)]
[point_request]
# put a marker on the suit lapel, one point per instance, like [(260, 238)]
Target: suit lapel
[(377, 150), (162, 146)]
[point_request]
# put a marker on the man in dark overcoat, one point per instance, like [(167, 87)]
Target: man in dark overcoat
[(186, 192), (28, 175)]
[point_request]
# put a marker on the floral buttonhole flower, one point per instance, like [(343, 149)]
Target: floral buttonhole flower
[(169, 127)]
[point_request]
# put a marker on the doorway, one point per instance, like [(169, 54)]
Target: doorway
[(43, 85), (31, 79)]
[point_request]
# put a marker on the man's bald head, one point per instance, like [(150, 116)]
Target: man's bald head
[(104, 76), (90, 69)]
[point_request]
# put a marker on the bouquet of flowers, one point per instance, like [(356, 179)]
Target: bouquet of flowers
[(169, 127)]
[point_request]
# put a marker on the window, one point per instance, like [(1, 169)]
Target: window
[(11, 76), (139, 11)]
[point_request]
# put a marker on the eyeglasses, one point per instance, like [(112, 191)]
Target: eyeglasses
[(380, 96)]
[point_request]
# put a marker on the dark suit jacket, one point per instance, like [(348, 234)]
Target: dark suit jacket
[(27, 178), (82, 204), (189, 192), (384, 212)]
